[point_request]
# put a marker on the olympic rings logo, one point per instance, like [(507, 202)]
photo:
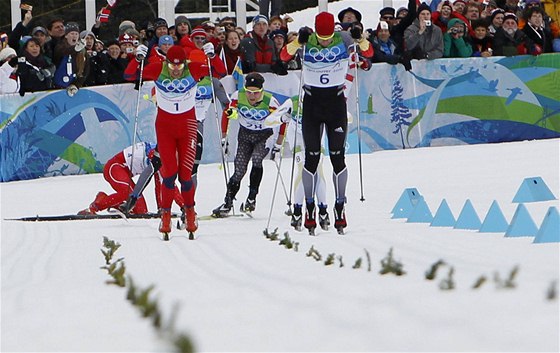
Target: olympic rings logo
[(326, 54), (253, 114), (176, 85), (203, 91)]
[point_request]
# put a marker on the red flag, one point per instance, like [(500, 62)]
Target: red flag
[(103, 15)]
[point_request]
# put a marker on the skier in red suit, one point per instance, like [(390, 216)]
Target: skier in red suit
[(118, 172), (175, 82)]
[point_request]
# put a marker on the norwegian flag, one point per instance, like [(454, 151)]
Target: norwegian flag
[(111, 2), (103, 15)]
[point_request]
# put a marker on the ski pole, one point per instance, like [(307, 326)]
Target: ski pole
[(220, 133), (279, 165), (289, 211), (137, 112), (357, 85), (298, 124)]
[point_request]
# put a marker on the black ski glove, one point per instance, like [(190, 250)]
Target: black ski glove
[(356, 31), (303, 35)]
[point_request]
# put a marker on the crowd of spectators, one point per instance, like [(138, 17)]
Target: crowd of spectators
[(59, 54)]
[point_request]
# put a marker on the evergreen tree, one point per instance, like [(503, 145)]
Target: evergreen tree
[(400, 114)]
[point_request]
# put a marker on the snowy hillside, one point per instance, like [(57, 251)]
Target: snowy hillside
[(238, 291)]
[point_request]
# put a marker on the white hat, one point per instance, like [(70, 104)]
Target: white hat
[(6, 53)]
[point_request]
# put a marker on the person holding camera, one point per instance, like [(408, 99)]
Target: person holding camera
[(422, 40), (456, 43), (35, 70), (97, 60)]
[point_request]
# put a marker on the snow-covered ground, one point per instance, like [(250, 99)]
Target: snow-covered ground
[(238, 291)]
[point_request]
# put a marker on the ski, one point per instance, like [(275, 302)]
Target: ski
[(221, 216), (75, 217)]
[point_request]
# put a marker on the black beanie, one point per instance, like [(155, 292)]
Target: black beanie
[(254, 80), (423, 7)]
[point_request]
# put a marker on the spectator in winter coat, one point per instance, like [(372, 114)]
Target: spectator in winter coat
[(536, 30), (481, 41), (19, 31), (510, 41), (196, 40), (158, 52), (487, 9), (230, 52), (57, 31), (160, 29), (398, 28), (384, 49), (36, 72), (182, 27), (9, 82), (441, 17), (549, 22), (40, 34), (71, 50), (257, 49), (98, 62), (350, 15), (459, 6), (473, 12), (496, 21), (117, 63), (422, 39), (455, 41)]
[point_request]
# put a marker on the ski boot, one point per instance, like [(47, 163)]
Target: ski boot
[(296, 218), (310, 222), (224, 209), (324, 221), (339, 217), (165, 223), (251, 202), (249, 205), (93, 207), (191, 221)]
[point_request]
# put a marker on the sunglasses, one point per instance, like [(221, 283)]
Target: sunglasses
[(253, 91), (173, 66)]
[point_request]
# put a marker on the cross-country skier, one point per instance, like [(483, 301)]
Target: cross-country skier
[(325, 64), (207, 88), (252, 106), (118, 173), (176, 126), (294, 128)]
